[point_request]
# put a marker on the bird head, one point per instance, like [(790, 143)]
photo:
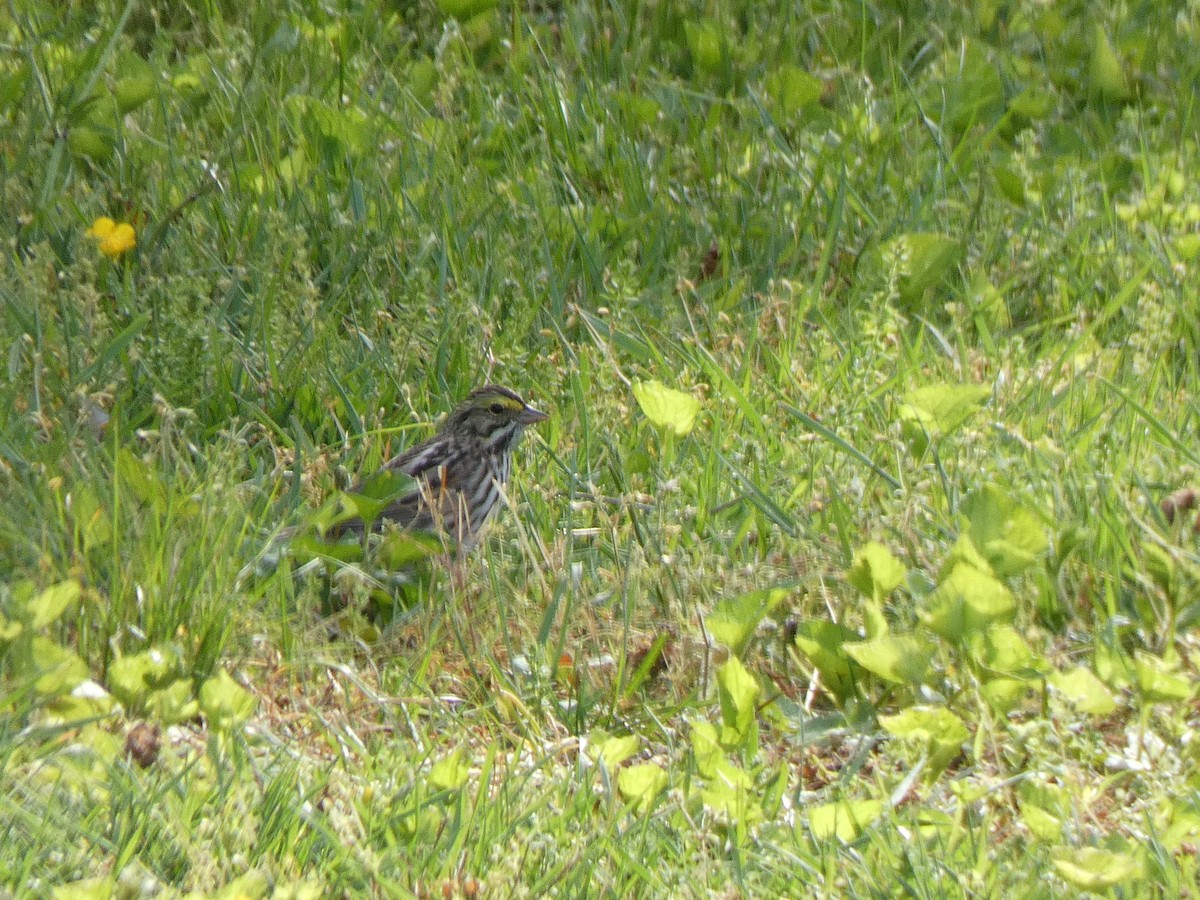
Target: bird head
[(494, 415)]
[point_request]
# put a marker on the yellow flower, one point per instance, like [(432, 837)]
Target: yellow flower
[(113, 239)]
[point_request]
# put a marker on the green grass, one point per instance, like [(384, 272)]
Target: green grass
[(931, 271)]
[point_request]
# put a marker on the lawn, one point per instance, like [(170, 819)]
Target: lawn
[(858, 556)]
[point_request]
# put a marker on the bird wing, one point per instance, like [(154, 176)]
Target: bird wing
[(419, 459), (436, 504)]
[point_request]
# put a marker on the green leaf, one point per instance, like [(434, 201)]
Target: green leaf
[(845, 820), (422, 79), (142, 480), (666, 407), (1002, 649), (94, 143), (386, 485), (641, 785), (462, 10), (1007, 666), (1183, 827), (253, 885), (306, 547), (1011, 186), (348, 127), (989, 305), (1106, 72), (59, 670), (734, 622), (190, 87), (1094, 869), (91, 518), (941, 409), (132, 678), (450, 772), (964, 552), (51, 603), (86, 701), (898, 658), (1083, 690), (132, 92), (875, 571), (822, 642), (708, 45), (1009, 536), (773, 790), (612, 751), (966, 602), (1160, 566), (738, 691), (1033, 102), (638, 108), (224, 702), (971, 92), (367, 503), (791, 89), (1113, 666), (1004, 694), (731, 793), (1188, 246), (941, 731), (706, 748), (932, 724), (13, 80), (404, 549), (99, 888), (288, 171), (172, 704), (1161, 681), (923, 260), (1044, 824)]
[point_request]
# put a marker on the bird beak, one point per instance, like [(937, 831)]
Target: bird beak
[(531, 416)]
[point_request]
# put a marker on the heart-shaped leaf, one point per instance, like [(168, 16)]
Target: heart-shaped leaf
[(940, 730), (844, 820), (822, 642), (1083, 690), (666, 407), (899, 658), (611, 750), (51, 603), (706, 748), (1095, 869), (738, 692), (641, 785), (734, 621), (1106, 72), (967, 601), (875, 571), (1009, 536), (940, 409), (791, 89), (449, 773), (225, 702), (923, 260)]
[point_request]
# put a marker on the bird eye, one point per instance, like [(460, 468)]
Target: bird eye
[(497, 408)]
